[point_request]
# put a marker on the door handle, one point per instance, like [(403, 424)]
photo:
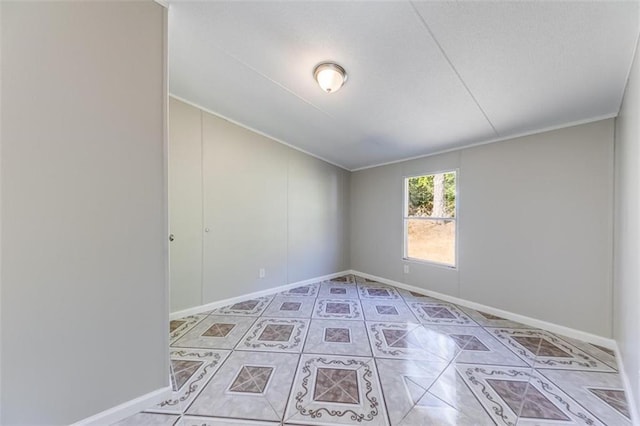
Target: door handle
[(171, 237)]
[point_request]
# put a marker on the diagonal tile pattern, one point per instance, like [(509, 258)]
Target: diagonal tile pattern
[(336, 385), (468, 342), (542, 349), (251, 379), (337, 335), (352, 351), (615, 398), (526, 400), (219, 330), (275, 334), (182, 371)]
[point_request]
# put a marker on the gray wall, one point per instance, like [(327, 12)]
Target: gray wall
[(83, 267), (265, 205), (626, 315), (535, 222)]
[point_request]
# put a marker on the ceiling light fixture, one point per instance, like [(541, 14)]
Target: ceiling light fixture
[(330, 76)]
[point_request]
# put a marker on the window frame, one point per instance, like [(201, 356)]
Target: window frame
[(405, 218)]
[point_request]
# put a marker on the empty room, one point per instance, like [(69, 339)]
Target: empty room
[(400, 213)]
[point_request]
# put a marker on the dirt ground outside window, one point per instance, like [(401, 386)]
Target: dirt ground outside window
[(432, 241)]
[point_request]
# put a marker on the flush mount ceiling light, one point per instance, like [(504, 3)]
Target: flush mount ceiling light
[(330, 76)]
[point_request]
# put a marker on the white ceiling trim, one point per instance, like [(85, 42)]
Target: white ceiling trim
[(474, 74), (471, 145), (244, 126), (499, 139)]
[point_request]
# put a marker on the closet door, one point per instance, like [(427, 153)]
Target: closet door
[(185, 205)]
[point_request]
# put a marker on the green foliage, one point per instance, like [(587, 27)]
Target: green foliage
[(421, 195)]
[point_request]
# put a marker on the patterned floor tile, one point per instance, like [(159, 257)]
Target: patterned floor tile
[(477, 346), (248, 386), (543, 349), (290, 307), (251, 307), (310, 290), (377, 355), (337, 337), (348, 309), (216, 331), (412, 296), (488, 320), (363, 280), (219, 421), (344, 279), (178, 327), (601, 393), (440, 313), (275, 334), (522, 395), (448, 402), (191, 370), (409, 341), (387, 310), (149, 419), (405, 383), (377, 291), (336, 390), (603, 354), (337, 290)]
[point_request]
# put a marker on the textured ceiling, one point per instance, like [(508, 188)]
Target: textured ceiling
[(423, 76)]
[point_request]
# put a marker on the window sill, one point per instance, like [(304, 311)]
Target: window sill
[(430, 263)]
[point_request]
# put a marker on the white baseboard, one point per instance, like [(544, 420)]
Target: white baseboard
[(631, 396), (209, 306), (126, 409), (533, 322)]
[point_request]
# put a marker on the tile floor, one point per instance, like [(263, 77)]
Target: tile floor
[(353, 351)]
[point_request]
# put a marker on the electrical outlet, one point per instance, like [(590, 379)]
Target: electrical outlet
[(262, 273), (406, 269)]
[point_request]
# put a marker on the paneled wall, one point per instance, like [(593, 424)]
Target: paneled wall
[(84, 231), (534, 220), (241, 202), (626, 315)]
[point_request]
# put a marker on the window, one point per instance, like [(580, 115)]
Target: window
[(430, 218)]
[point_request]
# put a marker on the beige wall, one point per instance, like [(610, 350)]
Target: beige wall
[(83, 267), (626, 312), (535, 225), (266, 206)]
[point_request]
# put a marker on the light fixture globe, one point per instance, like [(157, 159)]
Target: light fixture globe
[(330, 76)]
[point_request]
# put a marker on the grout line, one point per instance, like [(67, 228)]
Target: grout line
[(475, 397), (580, 404), (293, 382), (362, 321), (446, 57), (526, 388), (382, 393)]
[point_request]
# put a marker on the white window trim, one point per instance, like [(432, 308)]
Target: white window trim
[(405, 205)]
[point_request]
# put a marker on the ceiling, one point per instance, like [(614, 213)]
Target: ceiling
[(423, 76)]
